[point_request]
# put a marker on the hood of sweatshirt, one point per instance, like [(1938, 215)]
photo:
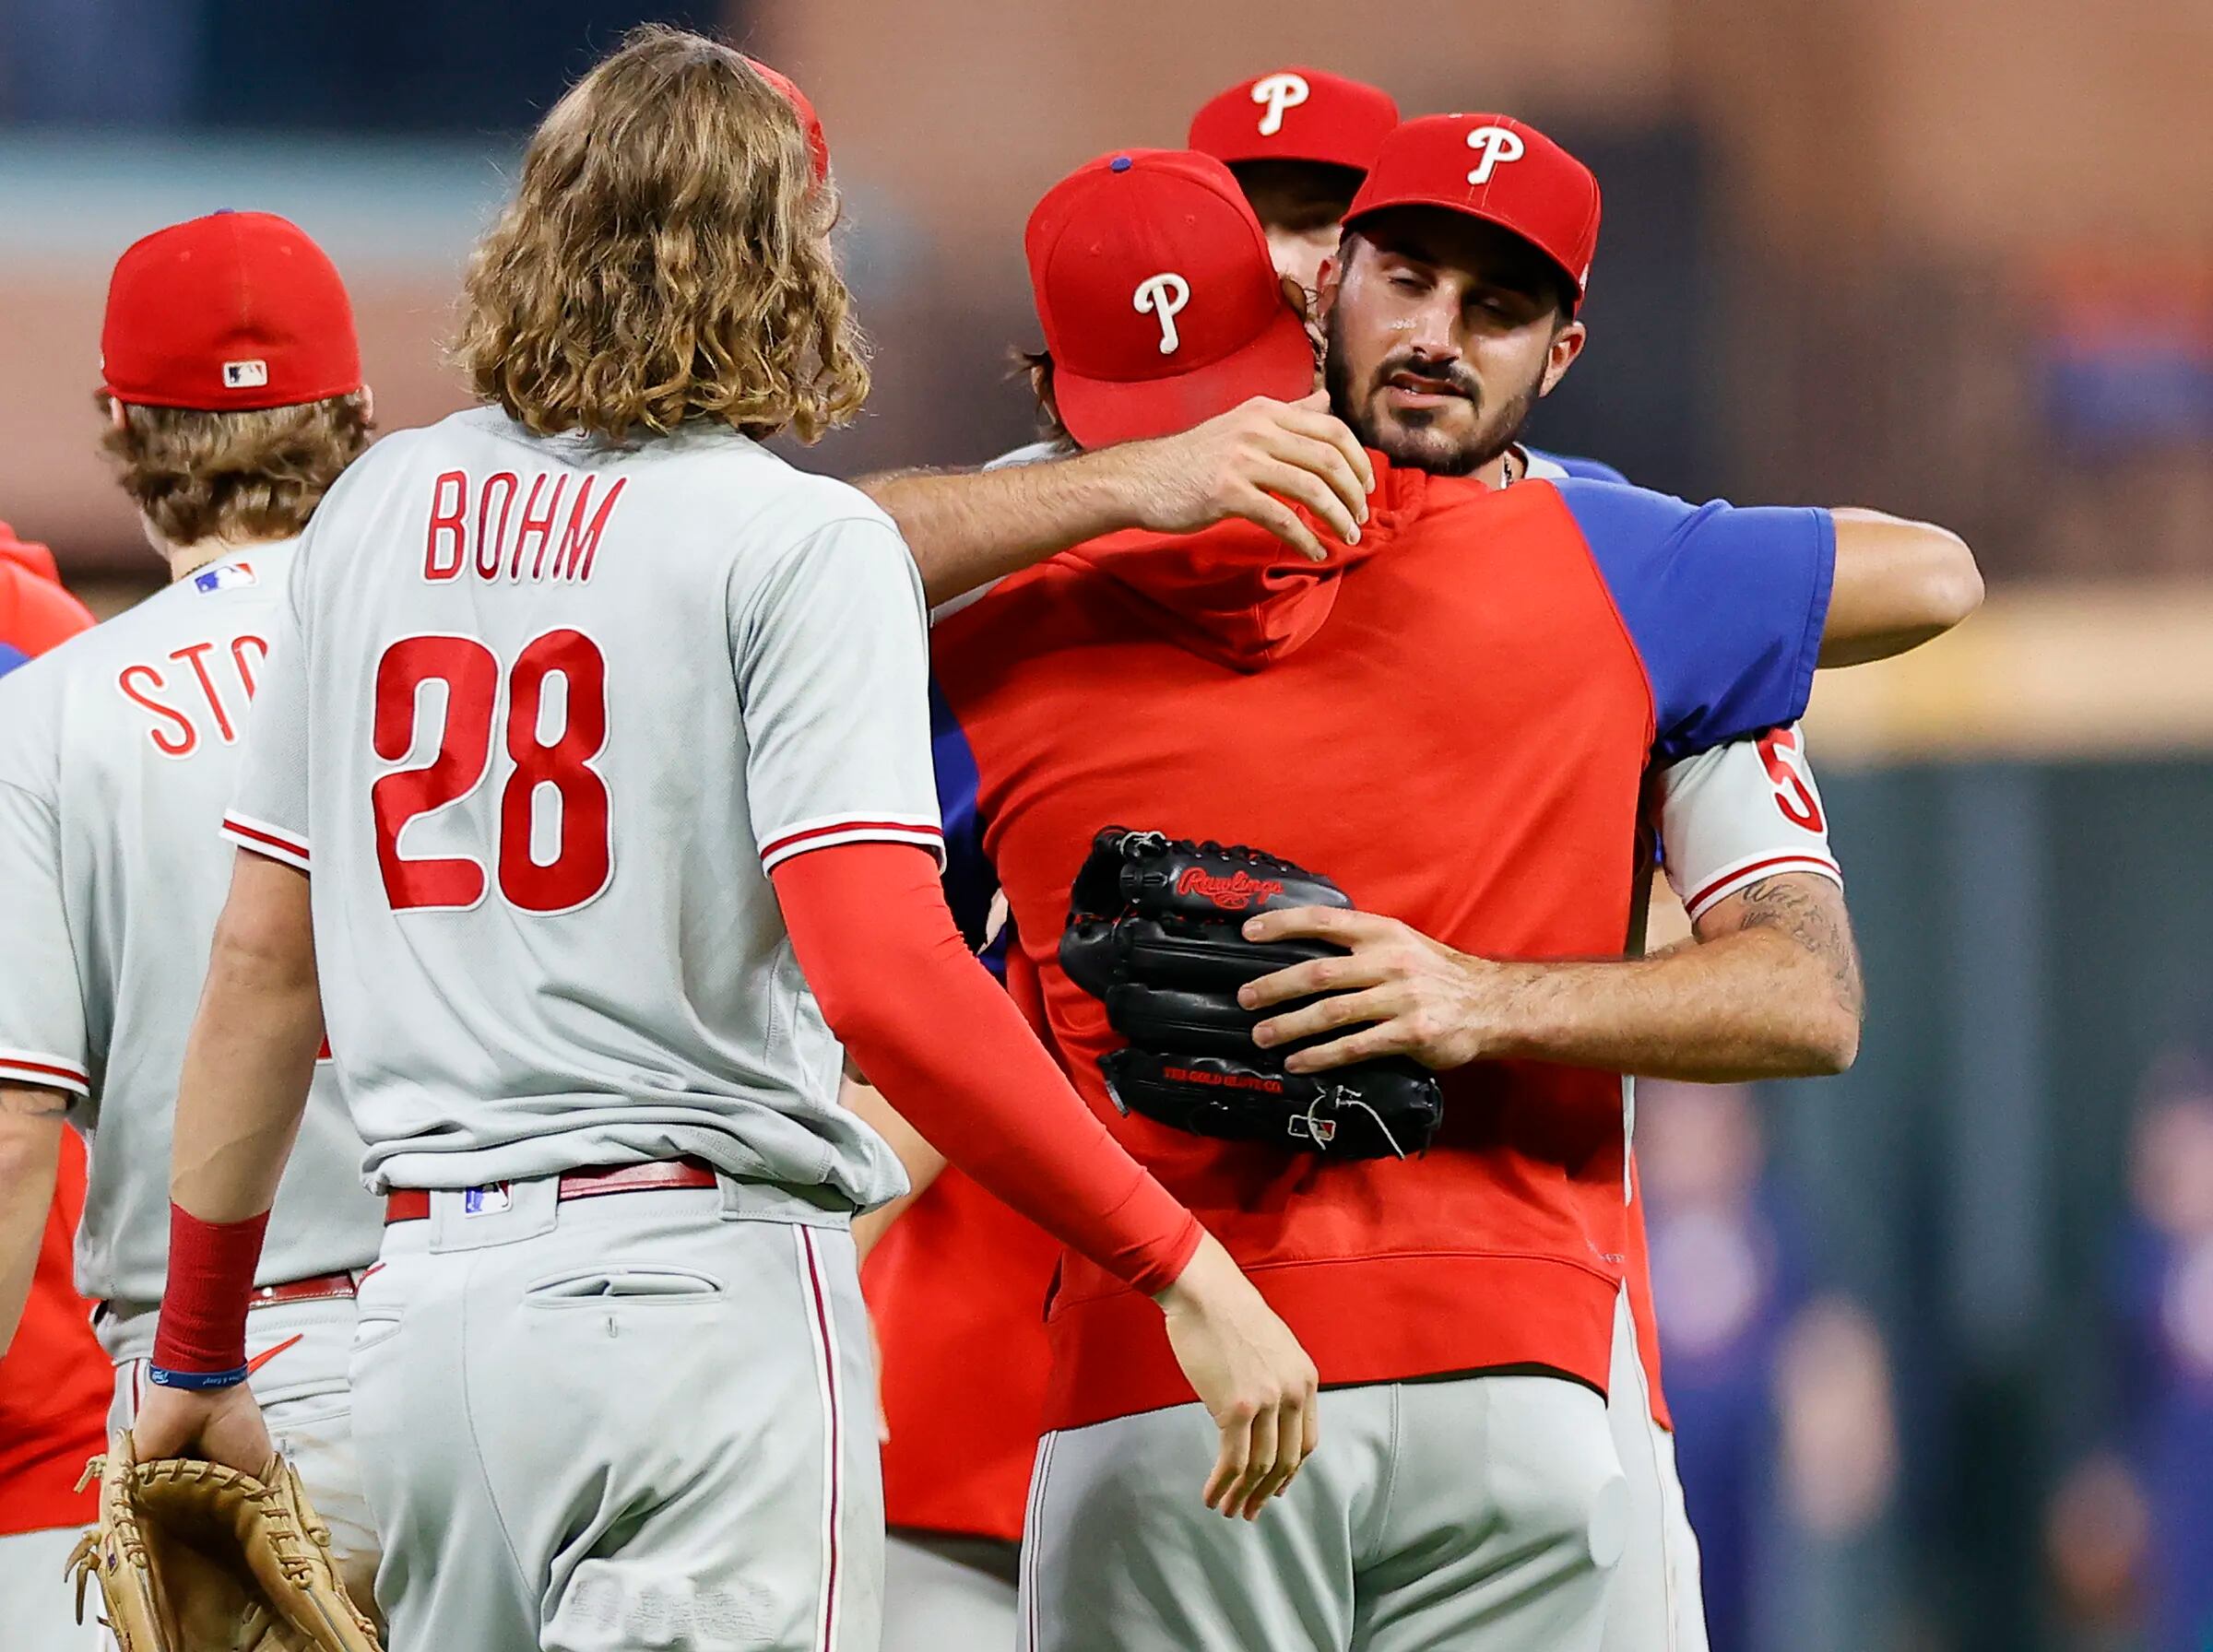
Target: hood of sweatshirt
[(1236, 594)]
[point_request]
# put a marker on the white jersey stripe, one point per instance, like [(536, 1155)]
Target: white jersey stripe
[(265, 839), (33, 1067)]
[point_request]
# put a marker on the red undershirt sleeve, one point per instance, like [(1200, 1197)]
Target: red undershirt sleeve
[(948, 1048)]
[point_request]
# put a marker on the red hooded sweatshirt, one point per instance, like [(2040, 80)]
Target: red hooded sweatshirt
[(1453, 720)]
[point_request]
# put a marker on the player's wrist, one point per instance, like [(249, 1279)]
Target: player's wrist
[(1124, 485), (1510, 1011), (200, 1340), (1204, 1281)]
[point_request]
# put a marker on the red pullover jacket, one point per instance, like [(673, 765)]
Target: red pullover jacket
[(1452, 720)]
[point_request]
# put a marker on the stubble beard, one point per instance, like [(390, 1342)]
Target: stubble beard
[(1415, 442)]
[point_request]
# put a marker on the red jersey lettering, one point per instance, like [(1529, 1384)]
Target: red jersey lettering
[(1792, 795), (183, 719), (180, 738), (442, 554), (503, 485), (451, 550), (580, 542), (535, 527)]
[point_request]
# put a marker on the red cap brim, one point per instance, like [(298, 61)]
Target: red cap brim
[(1101, 412), (1365, 208)]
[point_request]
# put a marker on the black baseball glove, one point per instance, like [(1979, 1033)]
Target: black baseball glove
[(1153, 929)]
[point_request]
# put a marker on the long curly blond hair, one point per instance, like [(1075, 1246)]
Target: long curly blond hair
[(666, 257)]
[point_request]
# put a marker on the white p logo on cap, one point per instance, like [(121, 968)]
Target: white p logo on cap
[(1496, 146), (1279, 93), (1163, 295)]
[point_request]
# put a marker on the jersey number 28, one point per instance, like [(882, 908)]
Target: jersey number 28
[(471, 672)]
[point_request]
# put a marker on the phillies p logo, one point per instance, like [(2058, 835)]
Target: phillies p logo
[(1163, 296), (1496, 146), (1279, 93)]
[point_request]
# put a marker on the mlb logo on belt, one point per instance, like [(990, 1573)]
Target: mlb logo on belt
[(486, 1202)]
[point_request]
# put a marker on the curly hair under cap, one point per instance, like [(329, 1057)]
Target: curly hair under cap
[(666, 258)]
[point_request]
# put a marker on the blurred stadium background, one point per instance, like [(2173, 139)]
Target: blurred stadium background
[(1939, 1332)]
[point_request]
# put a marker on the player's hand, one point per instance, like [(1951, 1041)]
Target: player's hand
[(1406, 994), (221, 1425), (1256, 1381), (1255, 461)]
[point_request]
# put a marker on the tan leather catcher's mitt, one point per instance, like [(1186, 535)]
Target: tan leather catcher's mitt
[(195, 1557)]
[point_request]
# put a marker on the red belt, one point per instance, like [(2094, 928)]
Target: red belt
[(413, 1204), (324, 1287)]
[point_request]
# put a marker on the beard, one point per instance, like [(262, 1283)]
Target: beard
[(1416, 439)]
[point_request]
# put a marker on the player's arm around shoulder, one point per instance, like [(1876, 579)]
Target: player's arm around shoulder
[(1255, 462), (1899, 583), (1892, 584)]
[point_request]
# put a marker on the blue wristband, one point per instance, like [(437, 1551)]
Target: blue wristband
[(162, 1378)]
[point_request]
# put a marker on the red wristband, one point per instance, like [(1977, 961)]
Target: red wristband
[(211, 1264)]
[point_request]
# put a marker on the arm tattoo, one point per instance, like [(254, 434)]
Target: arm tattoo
[(31, 1101), (1815, 919)]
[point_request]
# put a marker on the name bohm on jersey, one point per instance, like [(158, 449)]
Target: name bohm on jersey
[(506, 532)]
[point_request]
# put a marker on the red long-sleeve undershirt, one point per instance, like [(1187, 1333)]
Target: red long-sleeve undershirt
[(937, 1035)]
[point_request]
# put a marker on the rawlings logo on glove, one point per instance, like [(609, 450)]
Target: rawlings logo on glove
[(1234, 893)]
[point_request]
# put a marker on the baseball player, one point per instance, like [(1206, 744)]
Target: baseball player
[(1106, 1565), (54, 1380), (235, 393), (589, 795), (956, 1271), (1300, 142)]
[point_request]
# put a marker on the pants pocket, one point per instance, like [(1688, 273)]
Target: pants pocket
[(371, 1330), (621, 1281)]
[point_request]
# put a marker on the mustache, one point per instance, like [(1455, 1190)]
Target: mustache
[(1454, 376)]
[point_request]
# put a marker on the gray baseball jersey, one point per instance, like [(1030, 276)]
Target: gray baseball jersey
[(541, 715), (118, 752)]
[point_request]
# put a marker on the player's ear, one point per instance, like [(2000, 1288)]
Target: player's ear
[(1567, 345), (1326, 283), (369, 407), (117, 417)]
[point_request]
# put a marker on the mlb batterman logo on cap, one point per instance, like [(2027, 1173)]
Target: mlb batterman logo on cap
[(225, 313), (1296, 114), (1495, 168), (1160, 304)]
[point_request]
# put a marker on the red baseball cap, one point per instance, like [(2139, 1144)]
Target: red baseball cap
[(230, 312), (1160, 303), (818, 144), (1495, 168), (1296, 114)]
